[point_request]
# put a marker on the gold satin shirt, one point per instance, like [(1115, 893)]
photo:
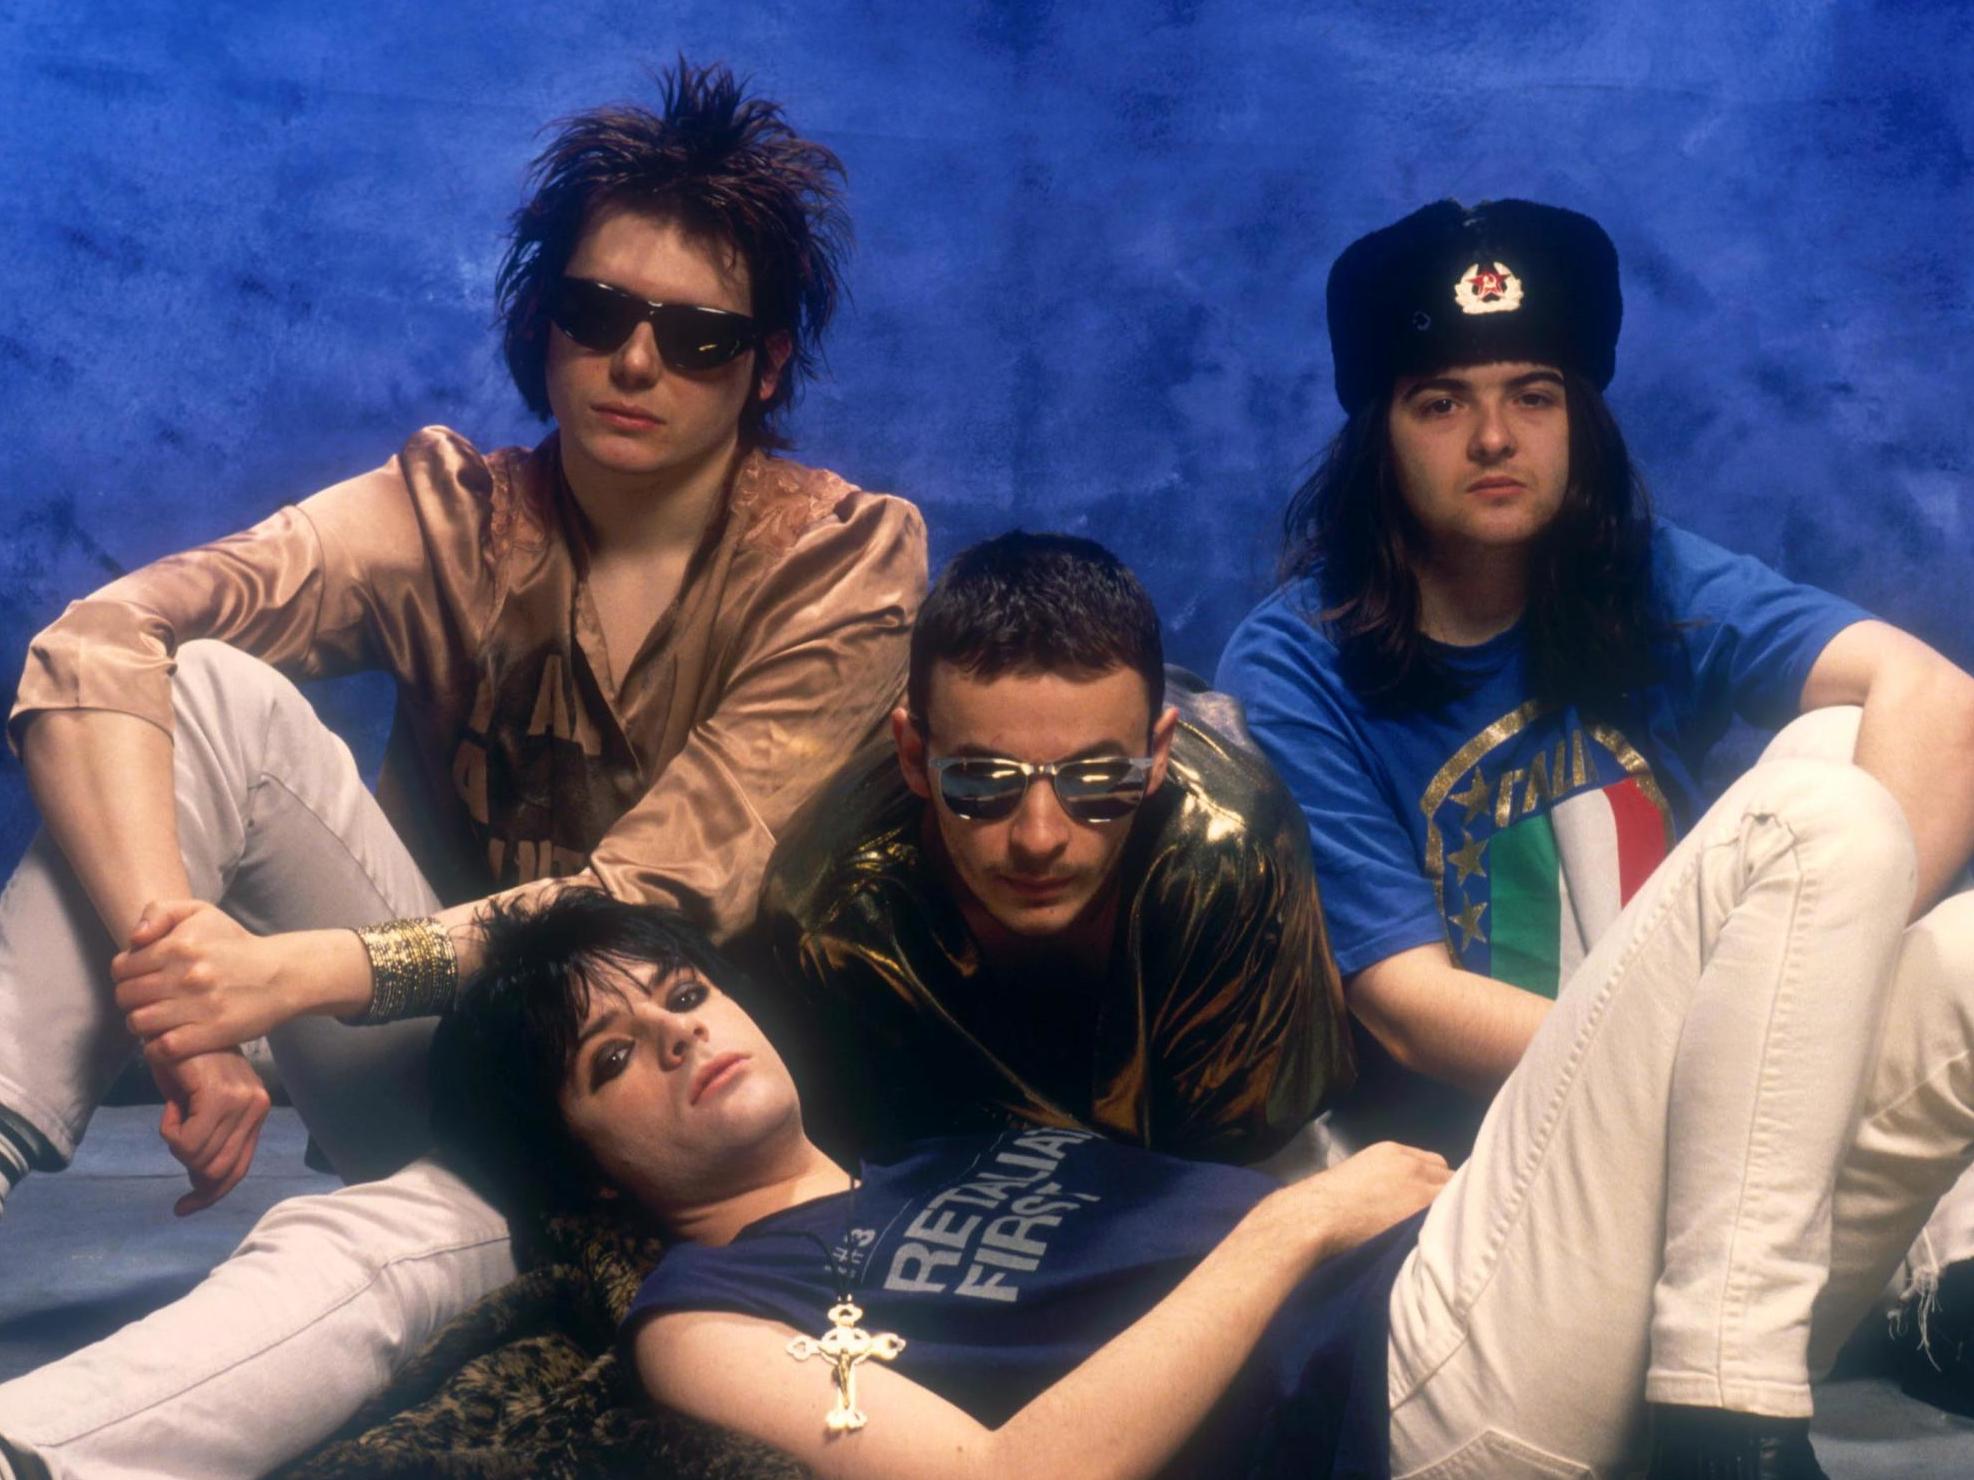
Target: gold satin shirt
[(1217, 1031), (521, 749)]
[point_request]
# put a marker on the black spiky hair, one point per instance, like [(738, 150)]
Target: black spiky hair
[(726, 167)]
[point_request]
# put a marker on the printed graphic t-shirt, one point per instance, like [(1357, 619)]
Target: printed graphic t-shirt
[(1512, 829), (1004, 1261)]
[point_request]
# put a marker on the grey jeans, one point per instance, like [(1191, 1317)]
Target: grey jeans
[(328, 1294)]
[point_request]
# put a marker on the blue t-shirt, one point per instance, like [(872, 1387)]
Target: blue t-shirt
[(1511, 829), (1004, 1261)]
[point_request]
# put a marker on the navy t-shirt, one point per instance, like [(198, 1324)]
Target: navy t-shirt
[(1004, 1261), (1510, 829)]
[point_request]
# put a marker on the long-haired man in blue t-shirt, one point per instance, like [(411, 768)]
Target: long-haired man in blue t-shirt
[(1491, 678)]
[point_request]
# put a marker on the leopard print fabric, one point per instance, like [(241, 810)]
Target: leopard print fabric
[(528, 1384)]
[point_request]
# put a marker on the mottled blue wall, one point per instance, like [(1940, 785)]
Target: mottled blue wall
[(249, 247)]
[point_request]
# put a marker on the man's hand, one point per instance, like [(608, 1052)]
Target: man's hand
[(214, 1108), (1362, 1196), (194, 980)]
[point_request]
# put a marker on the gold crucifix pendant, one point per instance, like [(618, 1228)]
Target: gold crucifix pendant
[(844, 1346)]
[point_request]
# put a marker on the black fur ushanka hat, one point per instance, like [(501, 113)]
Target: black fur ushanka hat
[(1450, 285)]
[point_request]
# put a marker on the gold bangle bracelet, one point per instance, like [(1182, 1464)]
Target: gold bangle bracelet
[(414, 970)]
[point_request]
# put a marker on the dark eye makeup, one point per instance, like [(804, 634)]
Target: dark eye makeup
[(608, 1062), (612, 1057), (686, 994)]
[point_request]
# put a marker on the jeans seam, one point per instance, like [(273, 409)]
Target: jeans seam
[(1544, 1137), (261, 777), (1944, 1067), (1487, 1266), (1462, 1300), (265, 776), (230, 869), (1735, 1289), (370, 1281), (268, 778)]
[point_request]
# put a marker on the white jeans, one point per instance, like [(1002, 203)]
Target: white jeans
[(329, 1293), (1744, 1106)]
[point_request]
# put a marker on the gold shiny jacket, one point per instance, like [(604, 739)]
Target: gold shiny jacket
[(1217, 1031)]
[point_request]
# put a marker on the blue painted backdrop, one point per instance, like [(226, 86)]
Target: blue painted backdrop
[(249, 247)]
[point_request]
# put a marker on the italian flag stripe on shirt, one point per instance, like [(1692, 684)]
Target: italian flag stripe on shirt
[(1558, 880)]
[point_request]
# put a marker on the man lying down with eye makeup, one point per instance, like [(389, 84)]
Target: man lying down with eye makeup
[(1027, 1300)]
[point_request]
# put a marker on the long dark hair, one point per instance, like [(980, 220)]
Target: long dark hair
[(722, 164), (1590, 623)]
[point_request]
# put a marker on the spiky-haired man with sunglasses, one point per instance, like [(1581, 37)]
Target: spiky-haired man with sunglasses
[(1060, 902), (623, 659)]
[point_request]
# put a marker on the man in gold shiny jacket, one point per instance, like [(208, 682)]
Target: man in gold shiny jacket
[(1056, 899)]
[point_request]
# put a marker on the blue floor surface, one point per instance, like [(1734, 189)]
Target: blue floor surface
[(84, 1252)]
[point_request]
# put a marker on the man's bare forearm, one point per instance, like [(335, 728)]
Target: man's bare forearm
[(1448, 1024), (1917, 738), (1167, 1370), (1120, 1415), (103, 782), (335, 979), (195, 982), (1162, 1375)]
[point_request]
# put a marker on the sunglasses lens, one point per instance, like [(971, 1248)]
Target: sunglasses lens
[(597, 317), (981, 791), (1100, 790), (600, 318), (700, 338)]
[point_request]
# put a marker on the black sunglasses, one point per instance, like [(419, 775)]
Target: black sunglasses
[(987, 788), (690, 336)]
